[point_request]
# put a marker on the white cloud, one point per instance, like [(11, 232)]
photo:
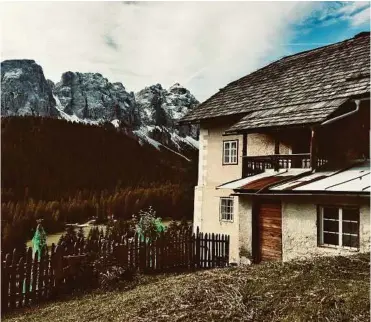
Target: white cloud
[(355, 14), (202, 45), (362, 17), (349, 8)]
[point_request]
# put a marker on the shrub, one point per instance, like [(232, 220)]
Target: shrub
[(115, 277)]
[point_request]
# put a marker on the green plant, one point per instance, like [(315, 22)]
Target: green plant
[(147, 224)]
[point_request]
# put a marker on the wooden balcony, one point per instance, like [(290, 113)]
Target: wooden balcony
[(252, 165)]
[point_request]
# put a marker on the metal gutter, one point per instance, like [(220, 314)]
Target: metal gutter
[(357, 101)]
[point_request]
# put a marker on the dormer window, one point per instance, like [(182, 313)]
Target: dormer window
[(230, 152)]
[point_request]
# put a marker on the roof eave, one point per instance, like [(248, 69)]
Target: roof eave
[(269, 128)]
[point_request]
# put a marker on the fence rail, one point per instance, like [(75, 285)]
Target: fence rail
[(252, 165), (28, 278)]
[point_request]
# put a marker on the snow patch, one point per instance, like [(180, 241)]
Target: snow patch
[(115, 123), (71, 118), (15, 73), (143, 135)]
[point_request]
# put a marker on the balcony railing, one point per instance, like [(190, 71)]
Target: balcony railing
[(252, 165)]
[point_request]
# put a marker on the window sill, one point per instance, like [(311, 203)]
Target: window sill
[(352, 250), (225, 220)]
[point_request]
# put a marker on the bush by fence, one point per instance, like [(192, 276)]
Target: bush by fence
[(28, 278)]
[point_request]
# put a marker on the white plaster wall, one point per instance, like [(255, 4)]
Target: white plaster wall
[(245, 228), (197, 212), (212, 173), (210, 218), (299, 231), (202, 153), (217, 173), (263, 144)]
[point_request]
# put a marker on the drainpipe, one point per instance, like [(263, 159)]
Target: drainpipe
[(344, 115)]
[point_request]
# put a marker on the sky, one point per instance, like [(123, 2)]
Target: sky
[(201, 45)]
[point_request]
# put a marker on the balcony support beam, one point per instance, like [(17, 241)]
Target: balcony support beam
[(313, 149), (276, 152), (244, 153)]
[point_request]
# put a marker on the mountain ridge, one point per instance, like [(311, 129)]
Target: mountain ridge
[(150, 114)]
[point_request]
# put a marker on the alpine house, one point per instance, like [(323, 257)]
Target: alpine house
[(284, 163)]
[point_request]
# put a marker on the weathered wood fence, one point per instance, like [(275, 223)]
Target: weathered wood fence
[(28, 278)]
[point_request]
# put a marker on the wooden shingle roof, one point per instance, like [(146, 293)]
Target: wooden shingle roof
[(337, 71), (308, 113)]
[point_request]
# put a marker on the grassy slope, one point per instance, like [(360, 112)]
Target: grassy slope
[(327, 289)]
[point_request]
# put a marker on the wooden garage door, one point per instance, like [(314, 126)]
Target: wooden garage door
[(270, 231)]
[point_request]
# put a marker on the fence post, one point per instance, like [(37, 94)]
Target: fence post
[(27, 282), (21, 272), (40, 281), (5, 283), (212, 250), (227, 250), (198, 244), (57, 264)]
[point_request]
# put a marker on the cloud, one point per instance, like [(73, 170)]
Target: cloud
[(330, 13), (361, 18), (202, 45), (349, 8), (110, 42)]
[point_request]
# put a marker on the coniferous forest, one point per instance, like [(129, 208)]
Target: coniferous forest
[(67, 172)]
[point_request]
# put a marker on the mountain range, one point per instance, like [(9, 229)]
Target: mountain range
[(149, 115)]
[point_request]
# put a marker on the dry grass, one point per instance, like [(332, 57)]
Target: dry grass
[(326, 289)]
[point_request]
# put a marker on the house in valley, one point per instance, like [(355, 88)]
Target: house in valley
[(284, 156)]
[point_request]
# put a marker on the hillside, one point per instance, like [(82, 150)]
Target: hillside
[(325, 289), (67, 172), (54, 158)]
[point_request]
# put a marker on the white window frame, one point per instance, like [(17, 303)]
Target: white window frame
[(340, 231), (226, 211), (227, 157)]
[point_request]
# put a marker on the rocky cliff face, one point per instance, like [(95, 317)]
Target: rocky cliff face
[(160, 109), (91, 96), (24, 90), (151, 114)]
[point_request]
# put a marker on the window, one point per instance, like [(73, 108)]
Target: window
[(226, 209), (230, 152), (339, 227)]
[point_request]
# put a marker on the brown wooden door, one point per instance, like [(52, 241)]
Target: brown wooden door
[(270, 231)]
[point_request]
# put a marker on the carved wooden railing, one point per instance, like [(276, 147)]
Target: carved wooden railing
[(252, 165)]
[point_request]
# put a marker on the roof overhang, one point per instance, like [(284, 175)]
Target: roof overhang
[(303, 115)]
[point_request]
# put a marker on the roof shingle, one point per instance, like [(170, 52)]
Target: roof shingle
[(339, 70), (291, 115)]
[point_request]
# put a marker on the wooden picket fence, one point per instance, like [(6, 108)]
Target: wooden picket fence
[(28, 278)]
